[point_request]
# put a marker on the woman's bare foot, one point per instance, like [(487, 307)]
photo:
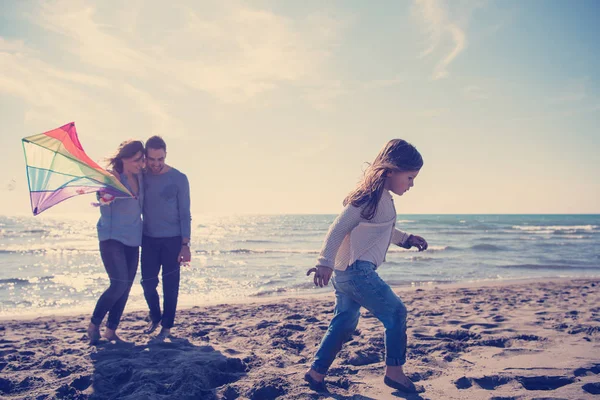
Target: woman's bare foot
[(93, 332)]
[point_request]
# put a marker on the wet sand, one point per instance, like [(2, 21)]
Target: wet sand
[(509, 340)]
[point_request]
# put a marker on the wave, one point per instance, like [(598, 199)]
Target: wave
[(571, 236), (255, 241), (257, 251), (483, 227), (555, 228), (434, 249), (296, 287), (487, 247), (46, 250), (23, 281), (404, 262), (397, 282), (494, 238), (265, 293), (22, 251), (477, 247), (566, 233), (550, 266), (35, 231), (309, 229), (310, 286), (14, 281), (271, 282), (415, 258), (7, 233), (430, 249)]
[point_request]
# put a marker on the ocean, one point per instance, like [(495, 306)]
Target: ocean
[(52, 265)]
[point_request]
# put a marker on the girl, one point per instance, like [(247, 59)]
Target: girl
[(120, 235), (354, 247)]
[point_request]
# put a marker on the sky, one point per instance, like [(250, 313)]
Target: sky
[(276, 106)]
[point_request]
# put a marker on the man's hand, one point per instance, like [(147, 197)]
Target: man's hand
[(322, 275), (416, 241), (185, 255)]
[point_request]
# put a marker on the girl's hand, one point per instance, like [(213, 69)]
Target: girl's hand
[(416, 241), (322, 275)]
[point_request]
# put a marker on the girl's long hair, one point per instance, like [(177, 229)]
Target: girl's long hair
[(396, 155), (127, 149)]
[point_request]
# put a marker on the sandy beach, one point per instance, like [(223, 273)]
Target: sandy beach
[(509, 340)]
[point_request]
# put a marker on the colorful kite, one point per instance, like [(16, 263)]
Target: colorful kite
[(58, 168)]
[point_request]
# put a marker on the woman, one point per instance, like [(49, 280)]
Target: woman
[(120, 235)]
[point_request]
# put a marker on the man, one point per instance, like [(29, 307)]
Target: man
[(167, 231)]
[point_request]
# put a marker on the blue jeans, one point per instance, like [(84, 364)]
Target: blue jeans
[(121, 263), (359, 285), (157, 252)]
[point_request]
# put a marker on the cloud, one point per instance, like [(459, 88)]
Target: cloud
[(96, 58), (84, 36), (11, 46), (475, 93), (441, 31), (230, 51), (41, 84), (321, 145), (54, 93), (254, 51), (383, 83), (587, 109), (431, 113), (574, 92), (161, 119), (322, 94)]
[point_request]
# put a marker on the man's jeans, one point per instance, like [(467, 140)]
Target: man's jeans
[(359, 285), (157, 252)]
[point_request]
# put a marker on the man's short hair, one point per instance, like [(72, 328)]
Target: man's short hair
[(157, 143)]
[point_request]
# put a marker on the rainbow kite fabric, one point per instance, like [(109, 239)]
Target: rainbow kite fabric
[(58, 168)]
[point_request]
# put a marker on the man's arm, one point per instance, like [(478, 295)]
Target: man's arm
[(185, 219), (185, 215)]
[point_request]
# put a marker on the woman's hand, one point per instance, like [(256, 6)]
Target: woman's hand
[(322, 275), (104, 198)]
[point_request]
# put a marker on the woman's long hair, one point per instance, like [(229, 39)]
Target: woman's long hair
[(396, 155), (127, 149)]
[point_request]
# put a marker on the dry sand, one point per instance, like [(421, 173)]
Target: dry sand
[(515, 340)]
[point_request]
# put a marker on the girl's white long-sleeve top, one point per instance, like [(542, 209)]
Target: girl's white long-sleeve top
[(352, 237)]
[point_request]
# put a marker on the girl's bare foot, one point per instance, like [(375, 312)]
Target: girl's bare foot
[(316, 381), (315, 375), (395, 378), (93, 332)]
